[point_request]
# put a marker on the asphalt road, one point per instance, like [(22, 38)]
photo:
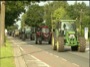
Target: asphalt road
[(53, 58)]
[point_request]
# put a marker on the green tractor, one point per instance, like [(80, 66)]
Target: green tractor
[(66, 33)]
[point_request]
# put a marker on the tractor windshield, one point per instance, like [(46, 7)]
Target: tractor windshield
[(68, 26), (45, 30)]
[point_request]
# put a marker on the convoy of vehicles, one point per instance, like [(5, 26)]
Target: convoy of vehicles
[(63, 33)]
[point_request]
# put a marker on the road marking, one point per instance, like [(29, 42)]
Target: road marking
[(32, 60), (21, 49), (56, 56), (76, 64), (47, 52), (50, 53), (63, 59), (40, 61)]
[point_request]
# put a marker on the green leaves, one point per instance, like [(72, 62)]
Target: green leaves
[(34, 15), (59, 14), (13, 10)]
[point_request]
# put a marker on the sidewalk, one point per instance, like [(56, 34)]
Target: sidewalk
[(18, 58), (22, 59)]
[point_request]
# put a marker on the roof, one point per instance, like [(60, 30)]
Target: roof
[(68, 20), (44, 26)]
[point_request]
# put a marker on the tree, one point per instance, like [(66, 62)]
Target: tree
[(74, 12), (14, 9), (60, 14), (34, 15), (51, 7)]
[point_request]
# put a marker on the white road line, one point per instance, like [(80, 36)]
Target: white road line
[(21, 49), (40, 61), (56, 56), (76, 64), (32, 60), (63, 59), (50, 53), (47, 52)]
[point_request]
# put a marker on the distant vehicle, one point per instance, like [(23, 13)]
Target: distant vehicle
[(25, 33), (43, 34), (32, 35), (16, 33)]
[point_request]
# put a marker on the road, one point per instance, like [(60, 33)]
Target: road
[(44, 56)]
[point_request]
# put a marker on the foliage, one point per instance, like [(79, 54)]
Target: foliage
[(13, 9), (51, 7), (33, 16)]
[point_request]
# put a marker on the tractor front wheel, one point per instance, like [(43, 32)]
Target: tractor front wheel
[(60, 44), (53, 43), (82, 44)]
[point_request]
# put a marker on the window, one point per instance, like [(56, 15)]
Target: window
[(45, 30)]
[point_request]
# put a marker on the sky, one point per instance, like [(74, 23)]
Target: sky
[(69, 2)]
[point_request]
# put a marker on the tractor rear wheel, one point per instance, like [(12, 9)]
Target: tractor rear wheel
[(53, 43), (60, 44), (36, 41), (82, 44)]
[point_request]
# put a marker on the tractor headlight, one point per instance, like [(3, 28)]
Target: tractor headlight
[(71, 36)]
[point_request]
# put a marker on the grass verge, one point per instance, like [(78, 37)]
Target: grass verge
[(6, 56)]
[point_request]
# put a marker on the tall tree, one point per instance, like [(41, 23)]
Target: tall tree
[(51, 7), (34, 15)]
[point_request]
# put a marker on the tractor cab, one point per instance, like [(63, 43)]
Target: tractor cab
[(68, 29)]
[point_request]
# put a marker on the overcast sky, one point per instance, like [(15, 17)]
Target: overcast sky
[(69, 2)]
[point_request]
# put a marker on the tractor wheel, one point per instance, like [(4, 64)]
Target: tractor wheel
[(23, 37), (60, 44), (74, 48), (40, 40), (82, 44), (49, 42), (36, 40), (53, 43)]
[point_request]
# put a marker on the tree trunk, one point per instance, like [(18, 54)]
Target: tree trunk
[(2, 23)]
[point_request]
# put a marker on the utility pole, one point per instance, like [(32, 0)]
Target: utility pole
[(2, 23)]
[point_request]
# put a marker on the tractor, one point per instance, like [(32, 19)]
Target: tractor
[(25, 33), (66, 33), (43, 34)]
